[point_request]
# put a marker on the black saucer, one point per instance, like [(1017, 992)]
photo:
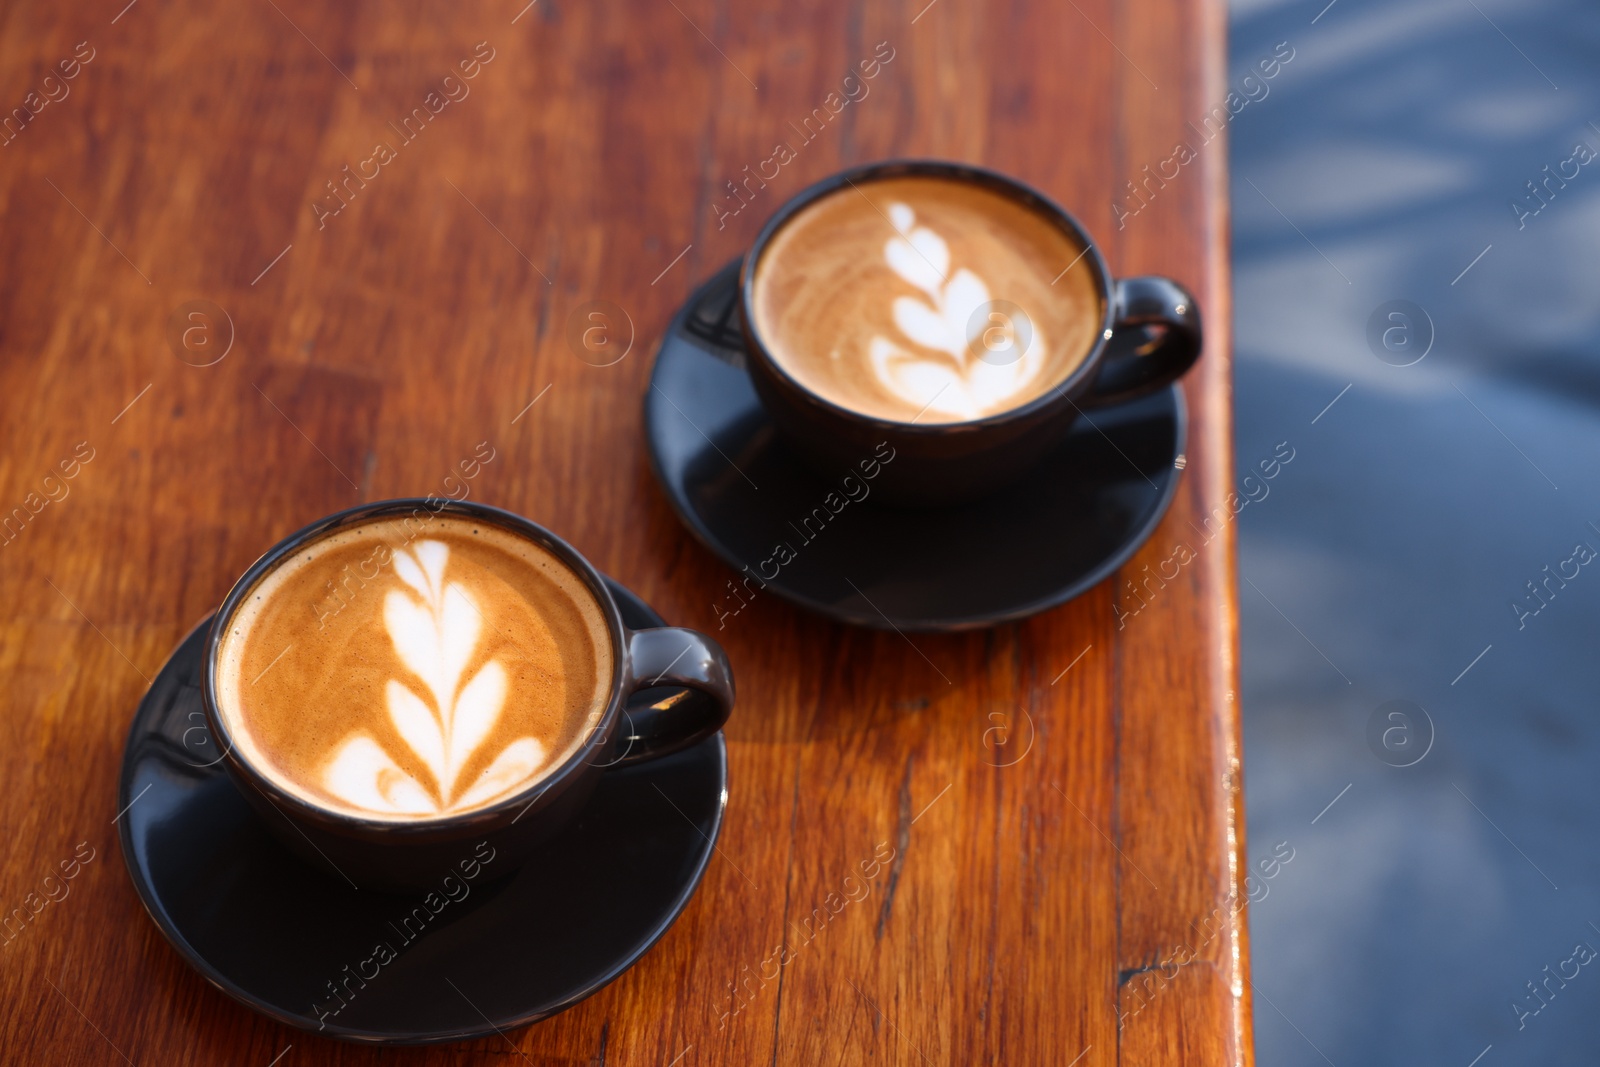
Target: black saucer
[(272, 932), (1072, 522)]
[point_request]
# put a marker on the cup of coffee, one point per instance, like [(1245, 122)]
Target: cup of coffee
[(399, 684), (952, 313)]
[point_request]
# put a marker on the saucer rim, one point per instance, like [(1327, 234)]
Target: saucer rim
[(307, 1024), (676, 333)]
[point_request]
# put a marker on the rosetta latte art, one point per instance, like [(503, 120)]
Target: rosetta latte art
[(947, 373), (435, 634)]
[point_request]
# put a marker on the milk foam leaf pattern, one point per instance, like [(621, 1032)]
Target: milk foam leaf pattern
[(515, 764), (945, 323), (476, 709), (364, 775), (416, 724), (435, 635)]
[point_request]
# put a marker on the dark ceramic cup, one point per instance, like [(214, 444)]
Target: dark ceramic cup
[(1149, 336), (688, 671)]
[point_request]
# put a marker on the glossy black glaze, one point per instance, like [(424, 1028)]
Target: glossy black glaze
[(403, 855), (272, 931), (1070, 523), (1157, 337), (669, 656), (1150, 335)]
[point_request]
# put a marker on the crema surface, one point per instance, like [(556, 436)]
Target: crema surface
[(925, 299), (414, 668)]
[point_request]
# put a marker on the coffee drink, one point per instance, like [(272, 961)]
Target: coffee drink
[(925, 299), (415, 668)]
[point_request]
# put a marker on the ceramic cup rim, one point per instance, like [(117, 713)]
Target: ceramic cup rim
[(463, 822), (1047, 209)]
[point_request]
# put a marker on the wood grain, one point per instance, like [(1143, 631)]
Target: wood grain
[(1057, 854)]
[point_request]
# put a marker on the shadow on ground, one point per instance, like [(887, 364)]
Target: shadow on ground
[(1387, 560)]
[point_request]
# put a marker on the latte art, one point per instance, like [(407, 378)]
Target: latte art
[(434, 635), (957, 320), (925, 299), (464, 664)]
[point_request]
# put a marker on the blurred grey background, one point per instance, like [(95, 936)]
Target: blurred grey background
[(1457, 869)]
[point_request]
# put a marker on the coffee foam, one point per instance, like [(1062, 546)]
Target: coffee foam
[(414, 669), (925, 299)]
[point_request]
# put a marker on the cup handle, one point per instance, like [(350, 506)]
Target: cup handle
[(1155, 338), (667, 656)]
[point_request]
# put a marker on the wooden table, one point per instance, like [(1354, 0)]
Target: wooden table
[(1064, 813)]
